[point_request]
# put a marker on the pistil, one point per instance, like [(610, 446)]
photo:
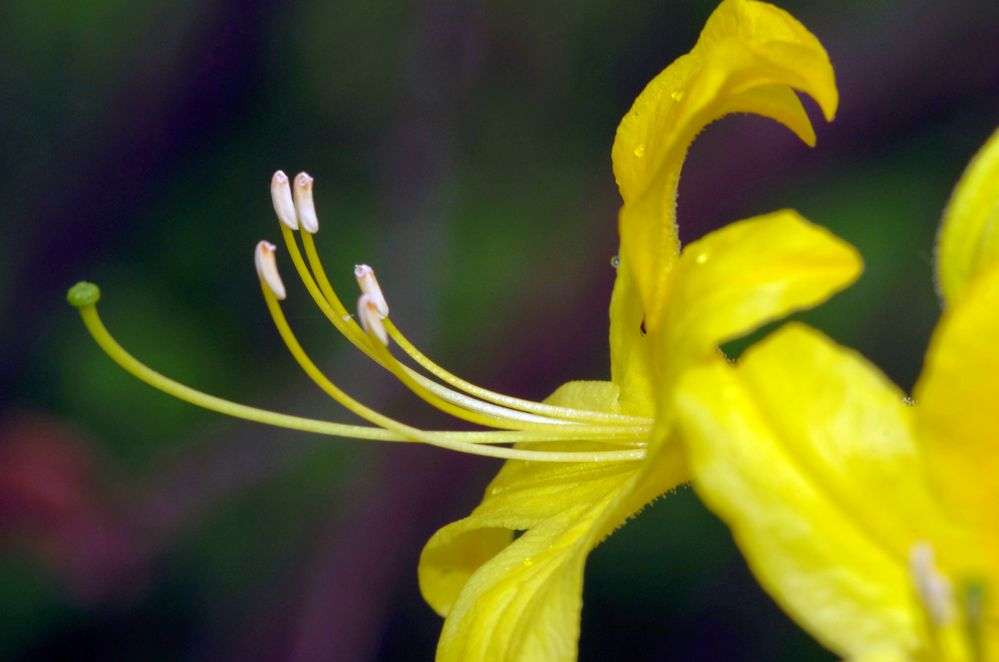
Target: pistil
[(515, 420)]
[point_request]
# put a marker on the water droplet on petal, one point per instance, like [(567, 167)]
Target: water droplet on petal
[(528, 562), (701, 258), (640, 150), (677, 95), (615, 261)]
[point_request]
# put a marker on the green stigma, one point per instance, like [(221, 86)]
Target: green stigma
[(83, 294)]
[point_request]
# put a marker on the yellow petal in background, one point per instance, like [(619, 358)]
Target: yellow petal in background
[(969, 232), (749, 58), (958, 404), (807, 453), (746, 274)]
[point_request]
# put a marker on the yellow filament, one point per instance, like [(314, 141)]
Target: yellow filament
[(467, 407), (571, 430), (330, 305), (468, 442), (500, 399), (420, 435), (309, 244), (146, 374)]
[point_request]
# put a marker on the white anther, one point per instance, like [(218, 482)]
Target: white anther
[(933, 588), (263, 258), (304, 204), (371, 320), (281, 197), (366, 280)]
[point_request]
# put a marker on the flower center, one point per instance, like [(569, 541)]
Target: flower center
[(934, 590), (955, 621), (508, 419)]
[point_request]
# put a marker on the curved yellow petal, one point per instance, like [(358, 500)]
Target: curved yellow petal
[(957, 397), (630, 347), (520, 599), (748, 58), (523, 602), (807, 452), (744, 275), (969, 231), (507, 599)]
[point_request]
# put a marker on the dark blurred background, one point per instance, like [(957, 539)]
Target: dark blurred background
[(462, 148)]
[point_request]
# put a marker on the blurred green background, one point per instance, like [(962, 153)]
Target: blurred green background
[(462, 148)]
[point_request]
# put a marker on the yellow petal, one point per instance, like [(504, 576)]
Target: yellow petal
[(507, 599), (631, 361), (969, 232), (587, 395), (748, 58), (744, 275), (521, 600), (807, 452), (957, 396)]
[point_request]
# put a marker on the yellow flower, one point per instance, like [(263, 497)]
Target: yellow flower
[(969, 232), (593, 453), (506, 598), (873, 522)]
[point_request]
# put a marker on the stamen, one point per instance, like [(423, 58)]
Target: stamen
[(368, 283), (554, 413), (485, 414), (281, 198), (331, 306), (304, 204), (933, 588), (381, 420), (333, 309), (263, 258), (518, 421), (565, 413), (84, 296), (371, 320)]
